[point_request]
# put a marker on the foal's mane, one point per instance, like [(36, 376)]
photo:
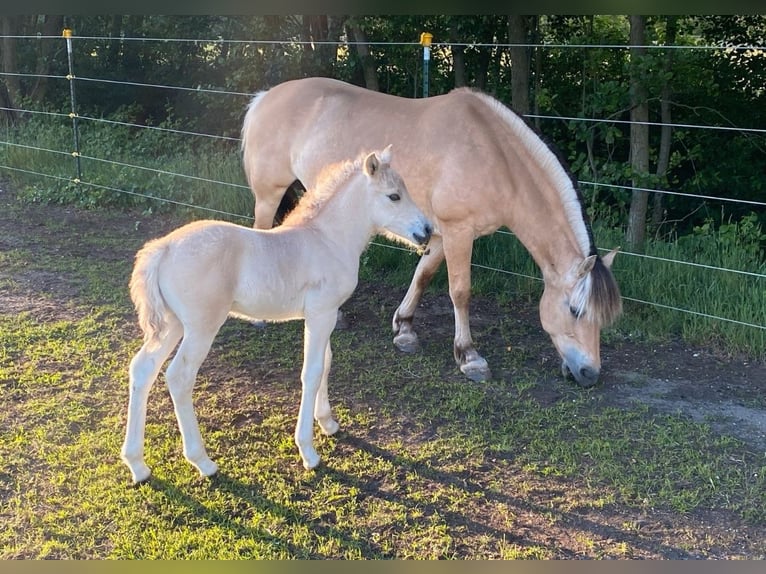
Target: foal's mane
[(596, 297), (330, 180)]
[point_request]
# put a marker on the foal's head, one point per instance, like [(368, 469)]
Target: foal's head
[(394, 213), (573, 309)]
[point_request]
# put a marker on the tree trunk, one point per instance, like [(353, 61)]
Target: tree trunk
[(51, 27), (458, 58), (369, 66), (9, 27), (518, 34), (663, 159), (538, 83), (639, 135)]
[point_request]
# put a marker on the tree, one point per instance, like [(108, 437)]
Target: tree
[(518, 35), (639, 134), (666, 96), (367, 60)]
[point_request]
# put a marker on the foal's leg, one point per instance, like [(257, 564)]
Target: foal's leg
[(316, 338), (457, 250), (144, 368), (322, 409), (180, 376), (405, 337)]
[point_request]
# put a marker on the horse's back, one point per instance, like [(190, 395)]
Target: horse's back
[(448, 144)]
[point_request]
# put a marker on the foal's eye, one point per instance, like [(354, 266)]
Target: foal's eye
[(575, 313), (394, 197)]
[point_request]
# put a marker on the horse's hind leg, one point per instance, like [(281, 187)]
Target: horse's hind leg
[(144, 368), (316, 337), (405, 337), (180, 376), (322, 408)]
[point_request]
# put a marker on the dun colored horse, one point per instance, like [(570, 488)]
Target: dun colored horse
[(472, 166), (186, 284)]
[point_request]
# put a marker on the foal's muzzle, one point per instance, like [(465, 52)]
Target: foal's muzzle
[(423, 238)]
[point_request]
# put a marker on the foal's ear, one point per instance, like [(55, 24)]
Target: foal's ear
[(385, 155), (371, 164), (608, 259)]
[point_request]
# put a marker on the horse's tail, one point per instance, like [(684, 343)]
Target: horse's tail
[(248, 146), (153, 312)]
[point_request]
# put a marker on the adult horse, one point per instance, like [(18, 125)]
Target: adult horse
[(472, 166), (186, 284)]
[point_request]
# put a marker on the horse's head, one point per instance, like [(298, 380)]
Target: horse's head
[(574, 307), (393, 211)]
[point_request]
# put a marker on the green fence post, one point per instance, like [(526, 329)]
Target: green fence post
[(67, 33), (425, 41)]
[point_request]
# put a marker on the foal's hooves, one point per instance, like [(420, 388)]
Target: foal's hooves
[(477, 370), (407, 342)]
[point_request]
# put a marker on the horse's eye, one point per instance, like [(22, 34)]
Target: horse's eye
[(575, 313), (394, 197)]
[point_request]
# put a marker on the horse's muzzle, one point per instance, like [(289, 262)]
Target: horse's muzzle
[(585, 376)]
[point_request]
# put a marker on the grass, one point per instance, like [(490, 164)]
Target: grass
[(427, 466)]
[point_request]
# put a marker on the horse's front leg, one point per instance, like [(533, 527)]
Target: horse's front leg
[(267, 201), (316, 340), (144, 368), (405, 337), (457, 251)]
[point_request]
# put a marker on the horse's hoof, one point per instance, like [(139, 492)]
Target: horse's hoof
[(207, 468), (140, 474), (311, 462), (407, 342), (477, 370), (330, 427), (142, 480)]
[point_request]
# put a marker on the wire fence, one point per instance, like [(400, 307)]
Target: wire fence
[(81, 83)]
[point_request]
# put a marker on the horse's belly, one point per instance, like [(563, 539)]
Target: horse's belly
[(276, 307)]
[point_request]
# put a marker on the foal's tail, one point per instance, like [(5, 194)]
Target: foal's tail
[(145, 292)]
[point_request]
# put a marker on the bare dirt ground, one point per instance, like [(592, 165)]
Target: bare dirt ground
[(668, 377)]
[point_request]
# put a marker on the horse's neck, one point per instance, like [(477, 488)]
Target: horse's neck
[(345, 222), (551, 241)]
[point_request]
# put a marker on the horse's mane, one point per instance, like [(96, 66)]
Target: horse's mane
[(553, 162), (596, 297), (330, 179)]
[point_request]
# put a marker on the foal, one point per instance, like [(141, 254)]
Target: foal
[(186, 284)]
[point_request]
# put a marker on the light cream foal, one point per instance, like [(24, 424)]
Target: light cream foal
[(186, 284)]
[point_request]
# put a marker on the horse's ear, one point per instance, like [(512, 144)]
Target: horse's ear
[(608, 259), (385, 155), (371, 164), (586, 265)]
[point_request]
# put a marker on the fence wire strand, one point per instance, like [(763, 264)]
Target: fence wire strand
[(216, 91)]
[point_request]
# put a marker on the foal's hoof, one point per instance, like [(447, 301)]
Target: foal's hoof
[(207, 468), (330, 427), (477, 370), (407, 342)]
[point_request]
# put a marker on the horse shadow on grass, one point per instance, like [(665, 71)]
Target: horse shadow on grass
[(530, 537)]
